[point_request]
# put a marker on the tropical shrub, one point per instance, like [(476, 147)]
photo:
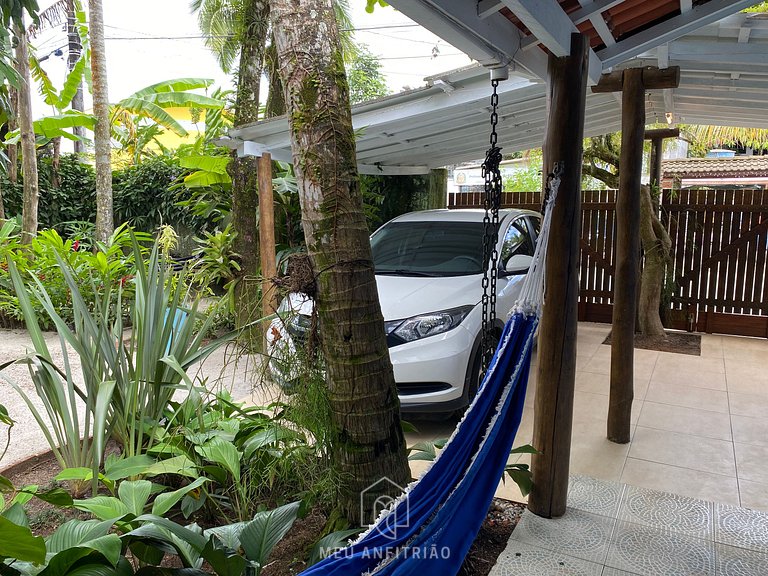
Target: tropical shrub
[(127, 382), (250, 455), (95, 268)]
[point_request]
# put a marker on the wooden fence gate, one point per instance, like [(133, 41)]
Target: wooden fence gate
[(719, 245)]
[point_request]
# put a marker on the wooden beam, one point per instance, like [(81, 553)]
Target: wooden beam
[(566, 100), (267, 236), (591, 8), (486, 8), (670, 29), (651, 78), (627, 257), (662, 133)]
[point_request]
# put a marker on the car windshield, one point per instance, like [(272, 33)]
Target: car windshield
[(429, 248)]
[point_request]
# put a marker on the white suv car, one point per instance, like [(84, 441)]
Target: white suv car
[(429, 268)]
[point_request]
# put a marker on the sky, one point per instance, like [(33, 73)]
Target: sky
[(148, 41)]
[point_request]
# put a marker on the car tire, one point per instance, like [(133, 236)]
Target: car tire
[(475, 373)]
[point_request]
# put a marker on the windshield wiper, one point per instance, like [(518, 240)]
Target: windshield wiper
[(406, 273)]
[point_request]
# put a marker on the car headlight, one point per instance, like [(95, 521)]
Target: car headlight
[(425, 325)]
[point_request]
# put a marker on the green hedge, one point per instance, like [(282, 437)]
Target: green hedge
[(141, 193)]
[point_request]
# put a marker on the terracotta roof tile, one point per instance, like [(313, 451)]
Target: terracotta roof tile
[(735, 167)]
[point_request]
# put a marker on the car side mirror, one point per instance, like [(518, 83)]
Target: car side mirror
[(518, 264)]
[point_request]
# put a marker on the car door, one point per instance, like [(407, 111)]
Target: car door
[(517, 239)]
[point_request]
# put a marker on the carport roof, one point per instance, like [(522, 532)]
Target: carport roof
[(722, 53)]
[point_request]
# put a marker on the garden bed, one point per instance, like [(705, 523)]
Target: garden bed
[(290, 555)]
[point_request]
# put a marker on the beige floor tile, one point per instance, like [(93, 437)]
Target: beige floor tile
[(712, 345), (684, 450), (744, 343), (753, 495), (670, 374), (689, 363), (590, 406), (600, 363), (751, 462), (685, 420), (688, 396), (748, 405), (595, 383), (740, 354), (743, 382), (683, 481), (592, 454), (747, 430)]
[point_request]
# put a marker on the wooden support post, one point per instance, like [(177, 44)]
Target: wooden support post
[(633, 83), (657, 139), (557, 332), (267, 236), (627, 257)]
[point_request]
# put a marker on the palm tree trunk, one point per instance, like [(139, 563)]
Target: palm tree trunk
[(369, 443), (28, 148), (13, 149), (75, 50), (245, 190), (101, 135), (275, 105)]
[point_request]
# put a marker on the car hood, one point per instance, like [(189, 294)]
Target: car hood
[(405, 296)]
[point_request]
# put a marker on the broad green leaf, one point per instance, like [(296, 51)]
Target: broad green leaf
[(56, 496), (79, 473), (266, 529), (103, 507), (422, 451), (153, 111), (76, 532), (72, 83), (135, 495), (194, 539), (108, 546), (50, 125), (183, 100), (224, 562), (203, 179), (166, 501), (175, 85), (181, 465), (6, 485), (524, 449), (330, 543), (16, 514), (120, 468), (522, 477), (228, 535), (191, 503), (216, 164), (223, 453), (17, 542)]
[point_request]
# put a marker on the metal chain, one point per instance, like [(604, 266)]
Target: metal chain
[(491, 202)]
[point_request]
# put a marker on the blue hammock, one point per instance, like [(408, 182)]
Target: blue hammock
[(447, 506), (430, 528)]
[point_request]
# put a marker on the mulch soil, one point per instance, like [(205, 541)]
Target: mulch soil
[(290, 555), (674, 342)]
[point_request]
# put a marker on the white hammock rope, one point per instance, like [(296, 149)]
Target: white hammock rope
[(532, 293)]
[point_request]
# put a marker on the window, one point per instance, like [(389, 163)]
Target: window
[(517, 240)]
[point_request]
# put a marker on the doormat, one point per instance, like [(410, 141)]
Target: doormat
[(674, 342)]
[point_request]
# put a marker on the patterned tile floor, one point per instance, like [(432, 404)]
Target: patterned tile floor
[(612, 529)]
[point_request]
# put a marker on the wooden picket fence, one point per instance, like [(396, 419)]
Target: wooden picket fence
[(719, 245)]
